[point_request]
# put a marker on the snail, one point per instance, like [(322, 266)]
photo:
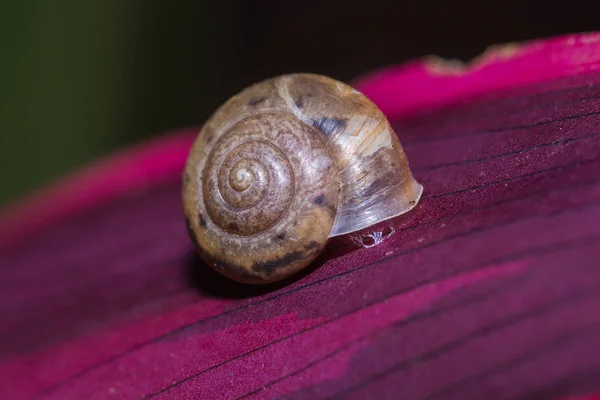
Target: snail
[(283, 166)]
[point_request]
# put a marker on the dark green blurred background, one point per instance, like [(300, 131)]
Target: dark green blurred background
[(82, 78)]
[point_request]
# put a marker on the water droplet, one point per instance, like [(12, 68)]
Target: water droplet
[(369, 240), (373, 238)]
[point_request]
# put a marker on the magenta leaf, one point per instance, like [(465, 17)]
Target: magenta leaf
[(489, 289)]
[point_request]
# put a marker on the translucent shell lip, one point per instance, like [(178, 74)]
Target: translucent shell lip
[(387, 203), (377, 183)]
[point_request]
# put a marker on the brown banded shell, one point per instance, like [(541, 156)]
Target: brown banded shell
[(283, 166)]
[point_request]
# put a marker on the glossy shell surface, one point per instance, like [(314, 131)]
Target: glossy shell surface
[(286, 164)]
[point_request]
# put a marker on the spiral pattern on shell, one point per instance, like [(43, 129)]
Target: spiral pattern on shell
[(256, 169), (250, 185), (260, 184)]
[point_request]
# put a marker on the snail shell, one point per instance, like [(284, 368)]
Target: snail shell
[(283, 166)]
